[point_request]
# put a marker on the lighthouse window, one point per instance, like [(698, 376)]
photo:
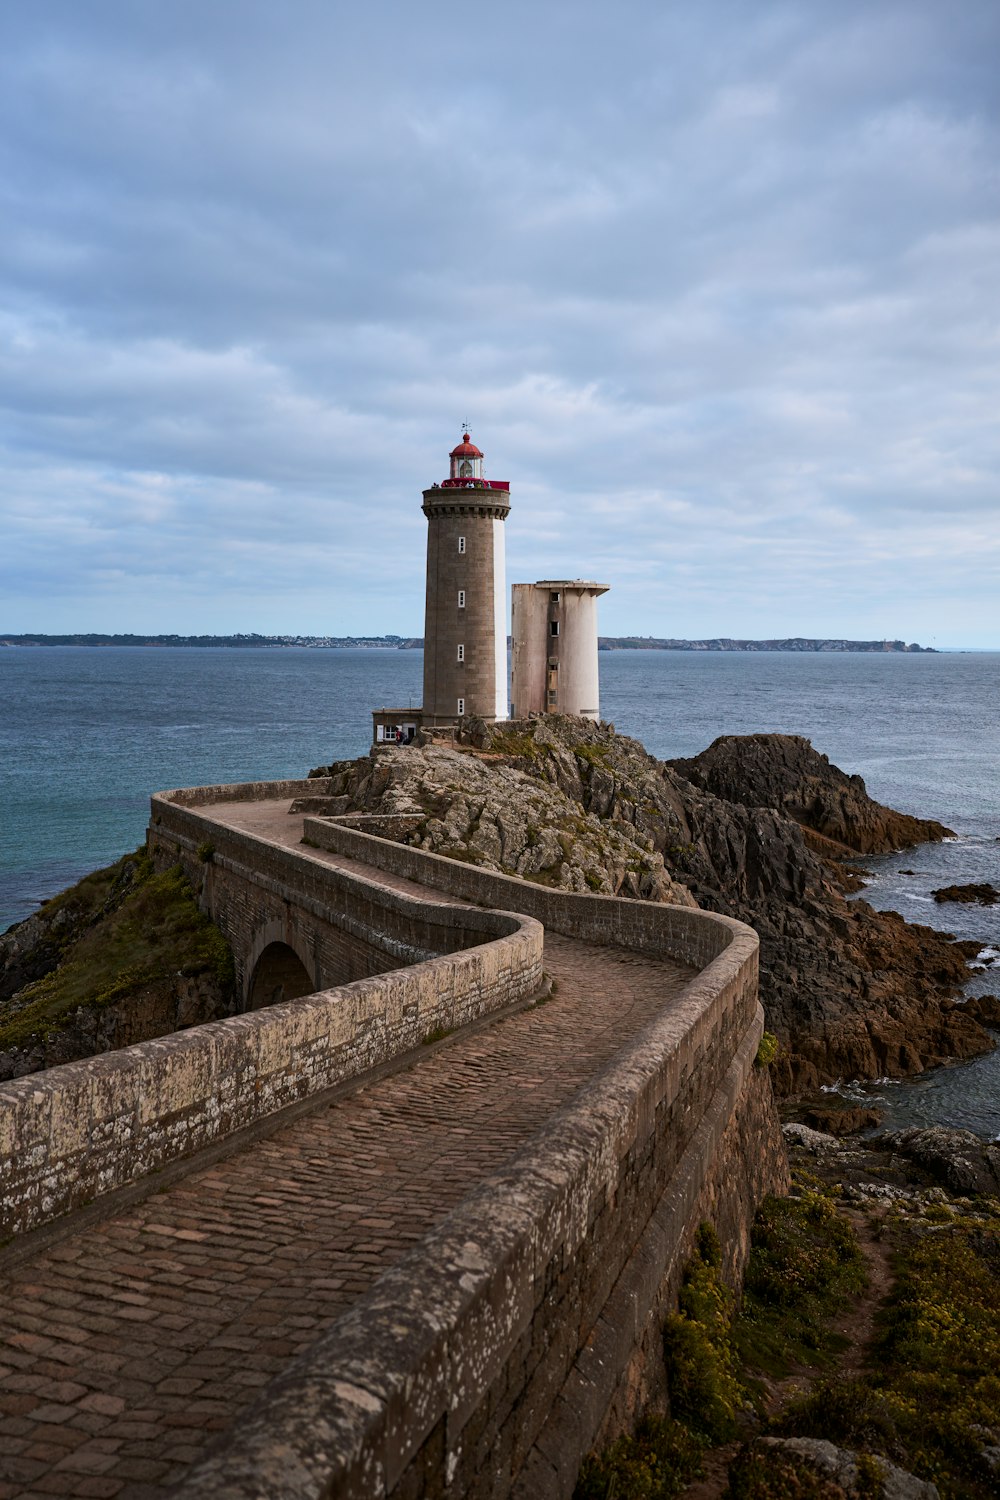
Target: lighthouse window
[(554, 597), (461, 653), (461, 707), (461, 598), (461, 544), (553, 627)]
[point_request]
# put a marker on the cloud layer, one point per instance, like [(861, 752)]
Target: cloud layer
[(717, 287)]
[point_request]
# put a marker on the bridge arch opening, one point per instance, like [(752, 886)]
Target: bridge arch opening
[(279, 974)]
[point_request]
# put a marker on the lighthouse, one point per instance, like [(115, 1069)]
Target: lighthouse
[(465, 622), (465, 617)]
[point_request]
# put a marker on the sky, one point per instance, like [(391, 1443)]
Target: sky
[(716, 288)]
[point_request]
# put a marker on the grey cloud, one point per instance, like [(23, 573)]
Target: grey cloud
[(718, 289)]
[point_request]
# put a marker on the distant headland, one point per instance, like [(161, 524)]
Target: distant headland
[(415, 643), (726, 643)]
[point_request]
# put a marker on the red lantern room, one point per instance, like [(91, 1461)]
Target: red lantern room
[(466, 460)]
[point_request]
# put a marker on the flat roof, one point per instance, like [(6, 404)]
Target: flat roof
[(568, 583)]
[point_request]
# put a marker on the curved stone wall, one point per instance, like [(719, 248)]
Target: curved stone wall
[(525, 1327), (74, 1132)]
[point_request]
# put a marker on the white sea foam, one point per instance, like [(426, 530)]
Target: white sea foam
[(857, 1090)]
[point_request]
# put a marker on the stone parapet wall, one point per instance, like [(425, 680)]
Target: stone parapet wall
[(342, 926), (525, 1326), (685, 933), (82, 1129)]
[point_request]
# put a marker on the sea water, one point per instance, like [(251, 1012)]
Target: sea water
[(87, 733)]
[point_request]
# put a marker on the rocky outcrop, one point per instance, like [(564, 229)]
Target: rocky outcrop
[(969, 895), (914, 1165), (35, 947), (142, 1012), (956, 1159), (985, 1009), (846, 1121), (486, 810), (849, 991), (784, 772), (123, 956), (839, 1473)]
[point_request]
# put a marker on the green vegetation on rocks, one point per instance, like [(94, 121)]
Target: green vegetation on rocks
[(804, 1266), (931, 1397), (131, 928), (907, 1406), (705, 1391)]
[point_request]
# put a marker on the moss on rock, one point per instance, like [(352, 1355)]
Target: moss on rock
[(133, 928)]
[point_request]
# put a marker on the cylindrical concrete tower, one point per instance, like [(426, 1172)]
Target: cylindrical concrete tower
[(465, 625), (554, 635)]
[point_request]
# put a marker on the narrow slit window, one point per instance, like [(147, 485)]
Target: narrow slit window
[(461, 544), (553, 627), (461, 653), (461, 707), (461, 598)]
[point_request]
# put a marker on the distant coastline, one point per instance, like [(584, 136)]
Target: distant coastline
[(726, 643), (415, 643)]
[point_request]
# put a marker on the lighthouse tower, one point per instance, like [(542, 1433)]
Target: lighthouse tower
[(465, 626)]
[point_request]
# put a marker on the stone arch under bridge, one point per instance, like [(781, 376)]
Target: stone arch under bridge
[(279, 967)]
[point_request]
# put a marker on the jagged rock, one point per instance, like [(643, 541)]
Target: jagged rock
[(478, 807), (850, 992), (984, 1008), (968, 895), (840, 1467), (842, 1122), (809, 1139), (990, 1452), (784, 772), (956, 1158)]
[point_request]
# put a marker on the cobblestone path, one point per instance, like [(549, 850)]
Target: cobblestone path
[(127, 1346)]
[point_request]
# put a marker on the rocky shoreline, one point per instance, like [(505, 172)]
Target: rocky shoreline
[(759, 827)]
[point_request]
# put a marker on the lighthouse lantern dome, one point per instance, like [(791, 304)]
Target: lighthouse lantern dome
[(466, 460)]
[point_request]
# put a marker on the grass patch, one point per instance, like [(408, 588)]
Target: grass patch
[(655, 1463), (932, 1397), (594, 755), (147, 928), (805, 1264), (510, 742), (937, 1363)]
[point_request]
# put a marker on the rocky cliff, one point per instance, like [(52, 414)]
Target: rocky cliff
[(755, 828), (120, 957)]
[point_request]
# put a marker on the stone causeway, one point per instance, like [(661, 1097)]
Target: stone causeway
[(411, 1232)]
